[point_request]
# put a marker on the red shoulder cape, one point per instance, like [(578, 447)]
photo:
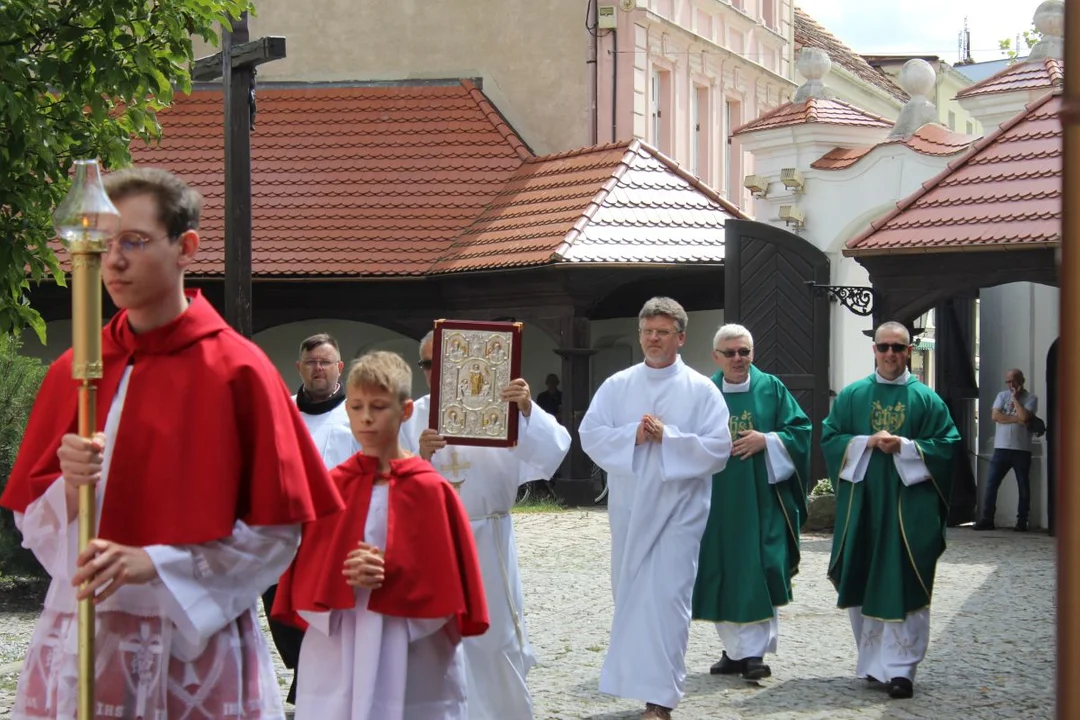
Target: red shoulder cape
[(432, 568), (208, 435)]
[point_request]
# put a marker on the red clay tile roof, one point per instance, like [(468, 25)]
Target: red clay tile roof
[(1004, 194), (814, 110), (617, 203), (372, 180), (1046, 73), (930, 139), (809, 33), (407, 180)]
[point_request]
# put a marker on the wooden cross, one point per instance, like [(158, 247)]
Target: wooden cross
[(236, 64), (455, 467)]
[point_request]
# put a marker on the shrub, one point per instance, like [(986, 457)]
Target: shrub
[(20, 379), (823, 487)]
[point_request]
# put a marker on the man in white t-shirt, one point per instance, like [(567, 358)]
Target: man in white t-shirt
[(1014, 409)]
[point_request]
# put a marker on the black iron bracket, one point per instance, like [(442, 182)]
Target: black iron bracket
[(859, 300)]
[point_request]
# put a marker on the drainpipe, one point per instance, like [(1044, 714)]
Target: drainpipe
[(592, 19)]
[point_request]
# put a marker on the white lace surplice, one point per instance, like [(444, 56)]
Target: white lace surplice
[(360, 665), (187, 645)]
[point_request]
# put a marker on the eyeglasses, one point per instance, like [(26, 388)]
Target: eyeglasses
[(321, 364), (895, 347), (425, 364), (657, 333), (131, 241), (741, 352)]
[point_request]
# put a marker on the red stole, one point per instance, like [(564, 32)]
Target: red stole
[(208, 435), (431, 565)]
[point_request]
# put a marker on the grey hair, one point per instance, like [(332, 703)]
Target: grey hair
[(1019, 373), (667, 307), (430, 337), (893, 326), (731, 331)]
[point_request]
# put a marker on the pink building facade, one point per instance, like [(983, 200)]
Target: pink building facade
[(682, 74)]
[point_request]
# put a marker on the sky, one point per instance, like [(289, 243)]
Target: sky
[(923, 27)]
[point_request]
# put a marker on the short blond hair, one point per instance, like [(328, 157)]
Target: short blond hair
[(384, 370)]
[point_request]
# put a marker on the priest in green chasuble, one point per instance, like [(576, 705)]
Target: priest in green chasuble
[(750, 550), (889, 444)]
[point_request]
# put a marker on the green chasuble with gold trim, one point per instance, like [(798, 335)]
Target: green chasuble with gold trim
[(750, 549), (888, 535)]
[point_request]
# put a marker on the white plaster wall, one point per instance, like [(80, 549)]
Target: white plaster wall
[(1017, 324), (282, 344), (838, 205), (616, 342)]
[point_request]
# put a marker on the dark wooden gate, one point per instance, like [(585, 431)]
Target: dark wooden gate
[(767, 276)]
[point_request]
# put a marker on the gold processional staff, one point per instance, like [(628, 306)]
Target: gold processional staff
[(85, 220)]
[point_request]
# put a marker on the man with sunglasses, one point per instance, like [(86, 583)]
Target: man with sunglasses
[(889, 445), (203, 476), (660, 431), (321, 401), (750, 550), (487, 478)]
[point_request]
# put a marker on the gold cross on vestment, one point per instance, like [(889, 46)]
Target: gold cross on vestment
[(455, 467)]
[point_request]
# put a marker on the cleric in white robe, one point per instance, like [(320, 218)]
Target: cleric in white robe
[(321, 399), (660, 431), (487, 479), (321, 402)]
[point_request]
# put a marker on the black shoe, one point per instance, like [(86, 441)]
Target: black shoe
[(727, 666), (984, 525), (1021, 526), (871, 680), (755, 669), (900, 688)]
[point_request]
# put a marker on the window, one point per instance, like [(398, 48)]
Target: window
[(952, 120), (768, 13), (700, 132), (732, 161), (969, 128), (660, 95)]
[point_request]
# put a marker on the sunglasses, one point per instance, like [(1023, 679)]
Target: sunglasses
[(895, 347), (424, 364), (741, 352)]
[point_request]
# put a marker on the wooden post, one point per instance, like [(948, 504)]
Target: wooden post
[(1068, 559), (235, 64)]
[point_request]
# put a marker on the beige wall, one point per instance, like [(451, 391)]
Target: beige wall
[(531, 56), (949, 82)]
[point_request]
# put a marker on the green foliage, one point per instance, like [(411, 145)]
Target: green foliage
[(20, 378), (1028, 37), (80, 78), (823, 487)]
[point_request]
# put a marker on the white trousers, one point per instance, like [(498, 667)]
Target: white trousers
[(747, 640), (890, 649)]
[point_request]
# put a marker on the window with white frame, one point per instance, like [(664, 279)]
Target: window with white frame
[(662, 110), (700, 132), (732, 160)]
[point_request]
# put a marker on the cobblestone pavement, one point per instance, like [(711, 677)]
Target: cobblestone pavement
[(991, 651)]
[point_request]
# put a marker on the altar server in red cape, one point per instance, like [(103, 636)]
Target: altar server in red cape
[(388, 588), (203, 474)]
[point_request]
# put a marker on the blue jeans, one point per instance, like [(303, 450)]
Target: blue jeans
[(1002, 461)]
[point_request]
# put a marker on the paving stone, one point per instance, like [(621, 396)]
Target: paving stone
[(991, 653)]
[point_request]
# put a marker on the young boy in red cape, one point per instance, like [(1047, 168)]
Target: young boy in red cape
[(386, 589), (203, 476)]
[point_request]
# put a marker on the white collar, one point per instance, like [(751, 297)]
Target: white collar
[(902, 380), (736, 387)]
